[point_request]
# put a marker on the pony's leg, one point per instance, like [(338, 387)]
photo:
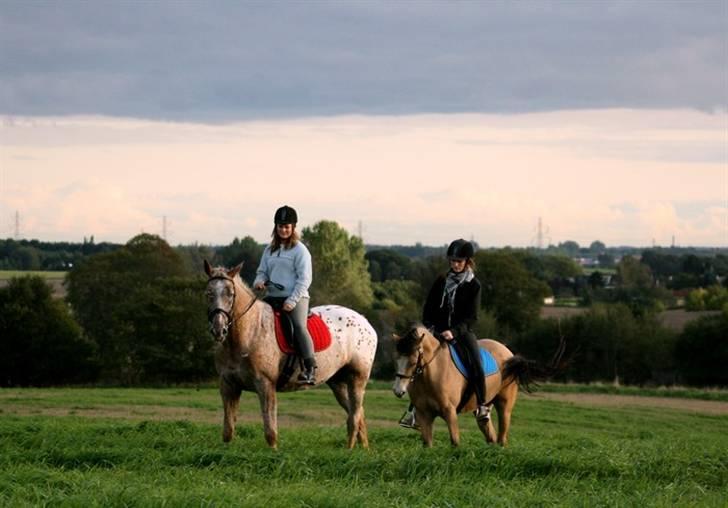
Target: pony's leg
[(451, 418), (488, 430), (504, 403), (341, 393), (230, 393), (425, 420), (269, 410), (355, 423)]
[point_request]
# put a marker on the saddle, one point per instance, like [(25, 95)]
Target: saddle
[(320, 333), (318, 330), (490, 367)]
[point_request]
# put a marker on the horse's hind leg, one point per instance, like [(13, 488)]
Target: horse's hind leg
[(341, 392), (230, 393), (504, 403), (486, 427), (356, 423)]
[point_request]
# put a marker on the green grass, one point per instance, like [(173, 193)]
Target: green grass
[(9, 274), (162, 447)]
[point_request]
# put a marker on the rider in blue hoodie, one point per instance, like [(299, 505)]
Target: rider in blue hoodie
[(285, 268)]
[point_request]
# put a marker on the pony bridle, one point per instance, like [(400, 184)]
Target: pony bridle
[(229, 318), (419, 366)]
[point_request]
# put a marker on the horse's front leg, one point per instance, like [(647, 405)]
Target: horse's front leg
[(269, 410), (230, 393), (451, 418), (426, 421)]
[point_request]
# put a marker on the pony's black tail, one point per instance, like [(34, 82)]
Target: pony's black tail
[(528, 373)]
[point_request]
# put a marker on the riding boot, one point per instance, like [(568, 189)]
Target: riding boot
[(408, 420), (308, 374), (482, 414)]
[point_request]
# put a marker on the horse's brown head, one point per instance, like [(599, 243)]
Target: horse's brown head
[(220, 293), (409, 357)]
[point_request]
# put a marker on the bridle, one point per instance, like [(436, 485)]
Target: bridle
[(229, 317), (420, 364)]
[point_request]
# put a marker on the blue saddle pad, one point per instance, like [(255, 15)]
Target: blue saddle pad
[(486, 360)]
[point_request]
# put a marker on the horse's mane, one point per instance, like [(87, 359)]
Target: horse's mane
[(408, 343)]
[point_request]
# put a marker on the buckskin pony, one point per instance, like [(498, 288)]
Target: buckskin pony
[(436, 386), (248, 356)]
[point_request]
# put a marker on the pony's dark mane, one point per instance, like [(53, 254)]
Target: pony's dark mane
[(407, 344)]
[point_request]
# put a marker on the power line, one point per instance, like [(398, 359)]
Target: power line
[(17, 225)]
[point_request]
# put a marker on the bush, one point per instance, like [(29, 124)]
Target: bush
[(607, 343), (40, 343), (701, 353)]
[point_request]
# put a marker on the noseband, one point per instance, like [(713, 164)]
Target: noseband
[(229, 318)]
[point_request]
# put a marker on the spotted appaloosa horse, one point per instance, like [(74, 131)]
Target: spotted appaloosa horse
[(248, 357), (436, 387)]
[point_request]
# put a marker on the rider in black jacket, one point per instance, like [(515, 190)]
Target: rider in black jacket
[(450, 311)]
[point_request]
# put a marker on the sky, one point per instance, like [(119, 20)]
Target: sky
[(404, 122)]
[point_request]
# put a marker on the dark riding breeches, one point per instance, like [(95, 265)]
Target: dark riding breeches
[(467, 346)]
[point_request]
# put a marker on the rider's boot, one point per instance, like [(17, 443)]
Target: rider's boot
[(308, 374), (482, 414)]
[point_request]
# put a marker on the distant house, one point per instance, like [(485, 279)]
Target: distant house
[(587, 262)]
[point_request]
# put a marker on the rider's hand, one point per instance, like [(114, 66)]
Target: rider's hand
[(288, 307), (447, 335), (260, 286)]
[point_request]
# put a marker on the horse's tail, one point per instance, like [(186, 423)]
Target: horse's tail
[(528, 373)]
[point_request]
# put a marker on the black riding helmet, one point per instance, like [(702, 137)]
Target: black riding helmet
[(285, 215), (460, 249)]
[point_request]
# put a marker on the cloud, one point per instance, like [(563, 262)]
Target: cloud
[(405, 179), (190, 61)]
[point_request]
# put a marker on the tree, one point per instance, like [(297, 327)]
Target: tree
[(513, 295), (396, 306), (633, 275), (386, 264), (246, 251), (701, 352), (597, 247), (570, 248), (340, 272), (145, 314), (193, 257), (40, 343), (596, 280)]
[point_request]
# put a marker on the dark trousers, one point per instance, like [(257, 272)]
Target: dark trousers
[(467, 347)]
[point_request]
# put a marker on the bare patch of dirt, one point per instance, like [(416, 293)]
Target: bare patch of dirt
[(604, 400)]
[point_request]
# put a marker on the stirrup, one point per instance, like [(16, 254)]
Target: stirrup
[(308, 376), (408, 420), (482, 414)]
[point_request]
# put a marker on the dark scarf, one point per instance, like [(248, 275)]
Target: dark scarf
[(452, 283)]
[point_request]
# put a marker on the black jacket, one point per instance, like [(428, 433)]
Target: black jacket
[(465, 314)]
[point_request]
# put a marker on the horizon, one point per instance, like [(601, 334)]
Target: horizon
[(92, 240)]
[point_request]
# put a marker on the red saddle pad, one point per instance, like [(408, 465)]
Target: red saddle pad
[(316, 327)]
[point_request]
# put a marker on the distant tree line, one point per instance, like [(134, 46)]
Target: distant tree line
[(135, 313)]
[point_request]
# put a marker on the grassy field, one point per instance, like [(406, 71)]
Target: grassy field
[(162, 447), (9, 274)]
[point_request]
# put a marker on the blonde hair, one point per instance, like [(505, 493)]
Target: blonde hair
[(277, 242)]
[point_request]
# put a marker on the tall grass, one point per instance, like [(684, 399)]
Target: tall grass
[(117, 447)]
